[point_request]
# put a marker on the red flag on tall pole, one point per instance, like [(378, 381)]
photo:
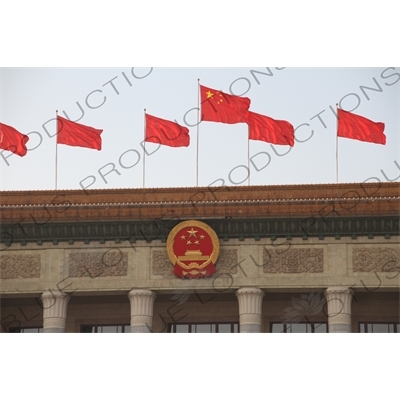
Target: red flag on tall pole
[(353, 126), (12, 140), (166, 132), (269, 130), (74, 134), (217, 106)]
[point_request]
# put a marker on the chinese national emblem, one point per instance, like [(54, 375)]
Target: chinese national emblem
[(193, 248)]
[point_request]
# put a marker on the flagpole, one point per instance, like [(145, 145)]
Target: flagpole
[(337, 144), (144, 148), (198, 123), (248, 154), (56, 146)]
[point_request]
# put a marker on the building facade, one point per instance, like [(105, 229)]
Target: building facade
[(294, 258)]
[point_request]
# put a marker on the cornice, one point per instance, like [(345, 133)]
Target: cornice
[(226, 228)]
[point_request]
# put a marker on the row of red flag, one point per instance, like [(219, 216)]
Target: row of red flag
[(216, 106)]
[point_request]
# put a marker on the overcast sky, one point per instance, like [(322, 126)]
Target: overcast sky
[(114, 100)]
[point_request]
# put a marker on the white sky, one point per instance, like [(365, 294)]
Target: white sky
[(31, 96)]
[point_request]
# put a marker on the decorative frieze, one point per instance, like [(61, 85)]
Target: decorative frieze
[(249, 228), (366, 259), (227, 262), (293, 261), (98, 264), (20, 266), (161, 264)]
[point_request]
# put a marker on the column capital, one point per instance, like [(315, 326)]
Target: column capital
[(142, 302), (54, 311), (338, 289), (249, 290), (141, 292), (338, 300), (250, 305)]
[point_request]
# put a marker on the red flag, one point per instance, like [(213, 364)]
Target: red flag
[(73, 134), (218, 106), (12, 140), (165, 132), (269, 130), (356, 127)]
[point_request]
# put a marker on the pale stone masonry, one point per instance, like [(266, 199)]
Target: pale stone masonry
[(250, 303), (54, 311), (142, 302), (338, 300)]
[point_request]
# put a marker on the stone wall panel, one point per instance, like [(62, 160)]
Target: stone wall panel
[(98, 264), (293, 260), (20, 266), (376, 259)]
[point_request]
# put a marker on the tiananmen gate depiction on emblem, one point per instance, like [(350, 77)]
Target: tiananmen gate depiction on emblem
[(193, 248)]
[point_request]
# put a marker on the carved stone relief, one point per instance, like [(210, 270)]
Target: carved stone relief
[(20, 266), (161, 264), (293, 261), (98, 264), (227, 262), (376, 259)]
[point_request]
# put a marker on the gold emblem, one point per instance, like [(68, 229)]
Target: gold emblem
[(193, 248)]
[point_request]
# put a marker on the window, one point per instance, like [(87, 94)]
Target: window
[(26, 330), (380, 328), (104, 328), (312, 327), (204, 328)]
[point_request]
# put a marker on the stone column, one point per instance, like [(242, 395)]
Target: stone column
[(338, 300), (250, 304), (142, 302), (54, 311)]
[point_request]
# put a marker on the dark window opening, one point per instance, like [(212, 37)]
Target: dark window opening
[(26, 330), (310, 327), (105, 328), (379, 328), (204, 328)]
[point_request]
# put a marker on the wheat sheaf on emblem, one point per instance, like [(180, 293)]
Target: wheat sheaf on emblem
[(303, 307)]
